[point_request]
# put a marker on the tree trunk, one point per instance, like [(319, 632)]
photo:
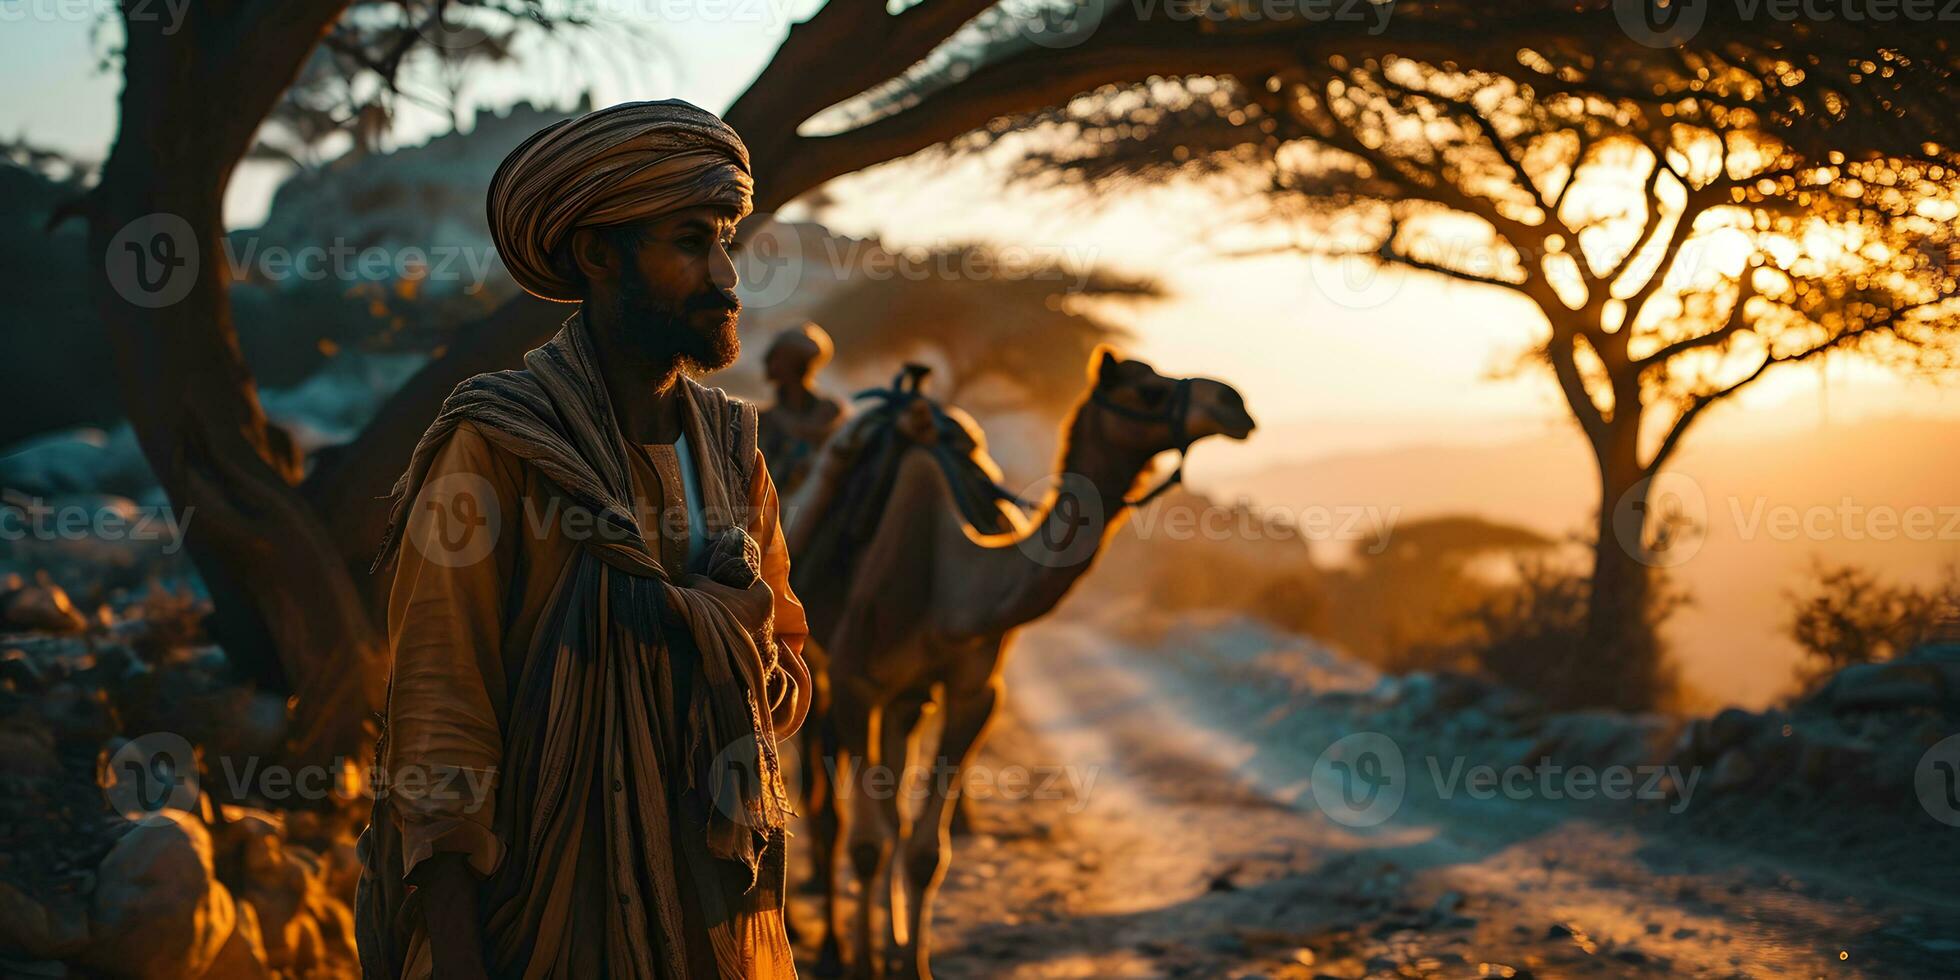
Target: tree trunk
[(1619, 645), (288, 614)]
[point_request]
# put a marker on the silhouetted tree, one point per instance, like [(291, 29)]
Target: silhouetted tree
[(1685, 219), (986, 319)]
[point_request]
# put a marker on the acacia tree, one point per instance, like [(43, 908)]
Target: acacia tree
[(284, 549), (1684, 222)]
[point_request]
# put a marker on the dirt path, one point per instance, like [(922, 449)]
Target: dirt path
[(1177, 842)]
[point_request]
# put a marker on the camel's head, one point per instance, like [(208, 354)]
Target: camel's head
[(1146, 410)]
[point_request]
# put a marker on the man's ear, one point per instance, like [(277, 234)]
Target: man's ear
[(593, 256)]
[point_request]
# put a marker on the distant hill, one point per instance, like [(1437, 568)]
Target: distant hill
[(1730, 642), (58, 370), (427, 195)]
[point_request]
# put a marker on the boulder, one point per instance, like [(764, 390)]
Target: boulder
[(19, 671), (27, 751), (1604, 738), (1905, 683), (1734, 770), (41, 606), (243, 955), (28, 926), (158, 909)]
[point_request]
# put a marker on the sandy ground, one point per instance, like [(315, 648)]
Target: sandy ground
[(1177, 841)]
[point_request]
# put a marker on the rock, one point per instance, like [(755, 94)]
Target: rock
[(1222, 882), (30, 927), (1226, 943), (1648, 962), (1730, 727), (76, 460), (77, 715), (1885, 686), (1733, 770), (1603, 738), (243, 955), (27, 752), (1511, 705), (158, 909), (1824, 765), (19, 672), (41, 606)]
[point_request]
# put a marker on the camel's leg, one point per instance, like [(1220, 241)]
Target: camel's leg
[(870, 840), (899, 726), (813, 746), (817, 742), (961, 824), (929, 849), (825, 763)]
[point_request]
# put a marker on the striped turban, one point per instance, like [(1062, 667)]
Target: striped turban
[(620, 165)]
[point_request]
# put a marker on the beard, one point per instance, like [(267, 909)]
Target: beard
[(696, 335)]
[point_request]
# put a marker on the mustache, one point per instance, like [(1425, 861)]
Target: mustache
[(712, 301)]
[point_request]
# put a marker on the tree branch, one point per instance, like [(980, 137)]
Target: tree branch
[(1700, 402), (1737, 322), (1019, 83)]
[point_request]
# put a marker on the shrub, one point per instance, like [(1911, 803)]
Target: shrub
[(1848, 616)]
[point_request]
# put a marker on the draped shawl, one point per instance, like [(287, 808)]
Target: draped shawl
[(590, 689)]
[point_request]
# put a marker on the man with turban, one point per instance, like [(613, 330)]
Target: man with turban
[(595, 644), (800, 419)]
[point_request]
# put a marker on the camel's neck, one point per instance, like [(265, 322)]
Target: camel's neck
[(1071, 524)]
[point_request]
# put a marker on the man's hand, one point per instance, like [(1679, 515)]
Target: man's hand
[(753, 607), (448, 888)]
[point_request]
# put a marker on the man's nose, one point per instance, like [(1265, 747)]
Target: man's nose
[(721, 270)]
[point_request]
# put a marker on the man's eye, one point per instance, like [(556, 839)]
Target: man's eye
[(690, 242), (731, 245)]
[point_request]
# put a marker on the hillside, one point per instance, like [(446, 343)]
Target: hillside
[(1841, 480)]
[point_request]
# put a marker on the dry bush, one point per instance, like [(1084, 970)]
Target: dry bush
[(1846, 616), (1533, 638), (1258, 564)]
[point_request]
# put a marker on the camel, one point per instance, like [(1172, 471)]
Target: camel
[(927, 614)]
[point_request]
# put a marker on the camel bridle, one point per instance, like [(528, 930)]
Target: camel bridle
[(1175, 414)]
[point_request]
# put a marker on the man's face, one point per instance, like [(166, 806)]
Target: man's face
[(786, 365), (676, 293)]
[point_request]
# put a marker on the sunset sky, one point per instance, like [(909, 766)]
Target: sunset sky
[(1328, 366)]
